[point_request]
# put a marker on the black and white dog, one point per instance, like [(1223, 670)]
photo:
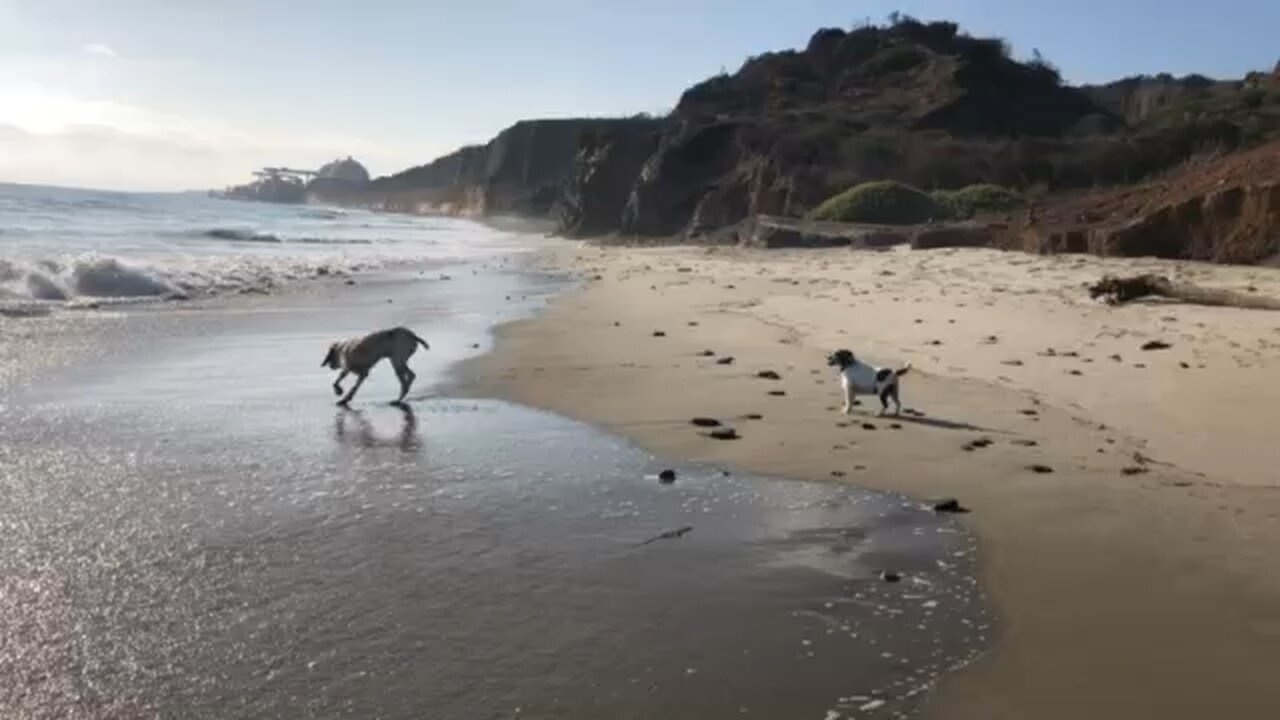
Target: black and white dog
[(858, 378)]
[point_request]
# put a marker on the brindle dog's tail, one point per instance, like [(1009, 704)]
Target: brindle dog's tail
[(424, 344)]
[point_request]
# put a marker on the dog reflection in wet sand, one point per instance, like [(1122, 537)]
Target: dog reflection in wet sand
[(357, 356), (366, 435)]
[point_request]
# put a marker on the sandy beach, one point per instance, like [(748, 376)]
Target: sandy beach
[(197, 531), (1127, 506)]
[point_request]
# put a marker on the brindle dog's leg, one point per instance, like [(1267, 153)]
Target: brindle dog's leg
[(406, 378), (352, 392), (337, 384)]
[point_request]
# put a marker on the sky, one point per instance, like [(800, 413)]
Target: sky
[(190, 94)]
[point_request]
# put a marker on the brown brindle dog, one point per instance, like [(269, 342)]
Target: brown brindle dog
[(358, 356)]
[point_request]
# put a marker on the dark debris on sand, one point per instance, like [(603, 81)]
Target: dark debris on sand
[(723, 433), (949, 505)]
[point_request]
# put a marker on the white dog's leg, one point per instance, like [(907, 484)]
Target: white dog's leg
[(848, 399)]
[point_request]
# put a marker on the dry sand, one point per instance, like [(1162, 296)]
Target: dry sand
[(1141, 578)]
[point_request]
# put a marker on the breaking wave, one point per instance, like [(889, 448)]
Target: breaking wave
[(238, 235), (252, 236), (68, 247), (102, 277)]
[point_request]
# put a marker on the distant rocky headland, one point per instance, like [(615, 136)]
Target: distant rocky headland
[(910, 123)]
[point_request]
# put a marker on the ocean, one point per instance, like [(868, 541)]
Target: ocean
[(193, 530), (61, 246)]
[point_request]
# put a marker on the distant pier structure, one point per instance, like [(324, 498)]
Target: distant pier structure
[(284, 173), (292, 185)]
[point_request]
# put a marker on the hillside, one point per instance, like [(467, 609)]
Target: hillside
[(926, 105), (919, 103), (922, 104)]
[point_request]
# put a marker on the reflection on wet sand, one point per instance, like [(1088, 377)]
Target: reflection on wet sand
[(355, 427)]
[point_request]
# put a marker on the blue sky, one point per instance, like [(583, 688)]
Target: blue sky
[(161, 94)]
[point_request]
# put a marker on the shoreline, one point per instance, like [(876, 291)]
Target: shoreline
[(222, 440), (1100, 571)]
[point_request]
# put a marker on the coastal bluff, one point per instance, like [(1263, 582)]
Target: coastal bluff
[(1101, 169), (522, 171)]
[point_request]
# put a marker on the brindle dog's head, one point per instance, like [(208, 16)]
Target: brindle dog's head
[(841, 359), (331, 357)]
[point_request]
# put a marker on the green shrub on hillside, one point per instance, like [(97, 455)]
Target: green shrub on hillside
[(884, 202), (973, 200)]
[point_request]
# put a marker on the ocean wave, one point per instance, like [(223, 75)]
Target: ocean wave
[(88, 276), (253, 236), (324, 214), (331, 241), (238, 235), (102, 277)]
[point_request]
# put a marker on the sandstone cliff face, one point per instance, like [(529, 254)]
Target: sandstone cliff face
[(522, 171), (1222, 209), (1239, 224), (604, 169), (1234, 225)]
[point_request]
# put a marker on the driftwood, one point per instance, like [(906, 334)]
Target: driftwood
[(1119, 290)]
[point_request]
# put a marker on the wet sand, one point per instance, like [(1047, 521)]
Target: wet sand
[(192, 529), (1126, 505)]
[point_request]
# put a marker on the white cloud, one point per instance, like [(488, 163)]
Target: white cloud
[(51, 133), (99, 49), (40, 109), (50, 136)]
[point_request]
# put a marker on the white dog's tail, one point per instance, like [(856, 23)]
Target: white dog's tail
[(903, 370)]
